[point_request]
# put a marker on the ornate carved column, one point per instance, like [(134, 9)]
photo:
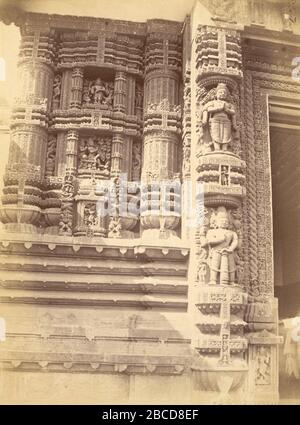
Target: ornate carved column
[(224, 313), (68, 188), (22, 195), (77, 87), (117, 148), (160, 213), (120, 91), (217, 299)]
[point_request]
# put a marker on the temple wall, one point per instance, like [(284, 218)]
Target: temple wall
[(156, 306)]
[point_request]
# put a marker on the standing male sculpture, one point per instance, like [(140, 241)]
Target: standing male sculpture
[(222, 243), (221, 117)]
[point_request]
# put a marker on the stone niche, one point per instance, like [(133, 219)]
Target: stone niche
[(98, 89)]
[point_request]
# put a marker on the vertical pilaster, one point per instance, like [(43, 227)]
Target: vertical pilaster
[(76, 89), (237, 349), (162, 128), (68, 188), (217, 299), (22, 200), (120, 91), (117, 148)]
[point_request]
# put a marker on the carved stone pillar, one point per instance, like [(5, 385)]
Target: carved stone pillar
[(160, 214), (218, 300), (117, 148), (68, 188), (76, 89), (22, 195), (120, 92)]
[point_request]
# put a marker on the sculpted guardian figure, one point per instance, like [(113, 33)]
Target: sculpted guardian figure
[(220, 116), (222, 242)]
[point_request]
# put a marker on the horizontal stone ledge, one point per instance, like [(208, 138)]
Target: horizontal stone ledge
[(159, 337), (77, 302), (136, 270), (136, 287), (95, 367), (112, 248)]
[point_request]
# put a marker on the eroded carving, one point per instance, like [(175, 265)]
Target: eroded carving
[(50, 156), (98, 92), (222, 243), (95, 154), (56, 92)]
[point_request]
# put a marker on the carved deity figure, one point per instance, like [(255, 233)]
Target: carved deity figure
[(101, 158), (94, 154), (56, 91), (87, 153), (98, 91), (139, 97), (222, 243), (109, 94), (220, 116)]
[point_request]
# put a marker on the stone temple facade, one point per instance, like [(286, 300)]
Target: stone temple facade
[(174, 303)]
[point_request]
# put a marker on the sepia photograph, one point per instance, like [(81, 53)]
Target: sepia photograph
[(150, 205)]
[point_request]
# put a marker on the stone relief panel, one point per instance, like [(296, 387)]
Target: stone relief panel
[(139, 99), (97, 93), (263, 365), (95, 155), (136, 160), (219, 252)]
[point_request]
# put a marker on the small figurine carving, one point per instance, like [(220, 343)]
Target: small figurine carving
[(56, 92), (222, 243), (263, 366), (136, 160), (201, 265), (98, 90), (86, 96), (51, 154), (138, 97), (224, 175), (220, 116), (109, 94), (90, 215)]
